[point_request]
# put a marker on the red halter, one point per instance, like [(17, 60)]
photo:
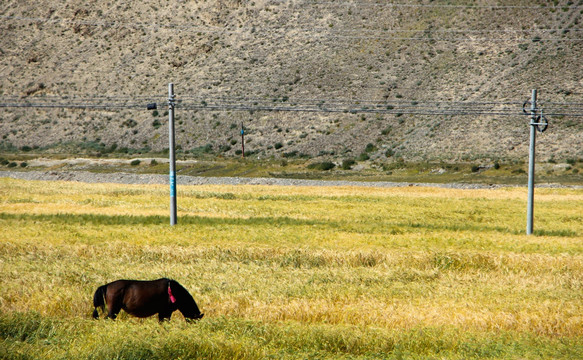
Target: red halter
[(172, 298)]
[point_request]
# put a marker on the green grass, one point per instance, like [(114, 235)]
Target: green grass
[(294, 272), (418, 172)]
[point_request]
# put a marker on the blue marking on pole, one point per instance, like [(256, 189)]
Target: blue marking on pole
[(172, 184), (242, 132)]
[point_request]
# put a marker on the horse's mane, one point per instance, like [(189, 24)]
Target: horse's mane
[(179, 291)]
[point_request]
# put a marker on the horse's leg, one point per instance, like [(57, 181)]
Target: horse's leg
[(164, 316), (114, 309)]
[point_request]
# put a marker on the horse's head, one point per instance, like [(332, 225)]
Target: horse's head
[(185, 303), (197, 317)]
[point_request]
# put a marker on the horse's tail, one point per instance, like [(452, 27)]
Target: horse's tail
[(99, 300)]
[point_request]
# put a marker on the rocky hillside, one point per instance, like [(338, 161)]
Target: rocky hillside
[(393, 80)]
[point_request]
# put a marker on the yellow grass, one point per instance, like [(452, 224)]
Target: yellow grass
[(294, 259)]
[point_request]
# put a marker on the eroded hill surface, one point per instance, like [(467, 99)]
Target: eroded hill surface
[(402, 79)]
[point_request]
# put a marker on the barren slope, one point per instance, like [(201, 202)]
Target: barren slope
[(267, 54)]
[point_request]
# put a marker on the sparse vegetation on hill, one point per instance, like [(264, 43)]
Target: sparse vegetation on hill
[(260, 54)]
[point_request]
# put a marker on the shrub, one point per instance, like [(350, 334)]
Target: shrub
[(12, 164), (325, 165), (369, 148), (278, 146), (363, 157), (153, 162), (496, 165), (348, 163), (206, 149), (475, 168), (130, 123), (135, 162), (156, 123), (389, 152), (23, 164)]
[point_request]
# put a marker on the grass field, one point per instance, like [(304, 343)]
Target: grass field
[(294, 272)]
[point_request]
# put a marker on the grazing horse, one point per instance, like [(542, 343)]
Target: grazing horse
[(145, 298)]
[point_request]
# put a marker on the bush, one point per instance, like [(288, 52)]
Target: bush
[(363, 157), (475, 168), (156, 123), (496, 165), (348, 163), (12, 164), (23, 164), (153, 162), (278, 146), (130, 123), (290, 154), (206, 149), (135, 162), (325, 165), (369, 148)]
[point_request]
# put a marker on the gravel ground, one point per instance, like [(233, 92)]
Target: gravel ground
[(127, 178)]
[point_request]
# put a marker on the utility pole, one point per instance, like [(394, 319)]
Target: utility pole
[(242, 139), (531, 153), (171, 146), (540, 123)]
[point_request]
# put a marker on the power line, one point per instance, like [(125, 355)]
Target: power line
[(323, 33), (217, 29), (400, 107), (401, 5)]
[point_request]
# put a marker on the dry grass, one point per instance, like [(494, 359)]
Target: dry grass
[(295, 271)]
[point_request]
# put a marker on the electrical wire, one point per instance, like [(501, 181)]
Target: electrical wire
[(437, 6), (401, 107), (323, 33)]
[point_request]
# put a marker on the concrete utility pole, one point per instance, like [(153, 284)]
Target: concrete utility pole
[(531, 153), (171, 146), (243, 139)]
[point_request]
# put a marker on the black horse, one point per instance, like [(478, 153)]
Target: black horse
[(145, 298)]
